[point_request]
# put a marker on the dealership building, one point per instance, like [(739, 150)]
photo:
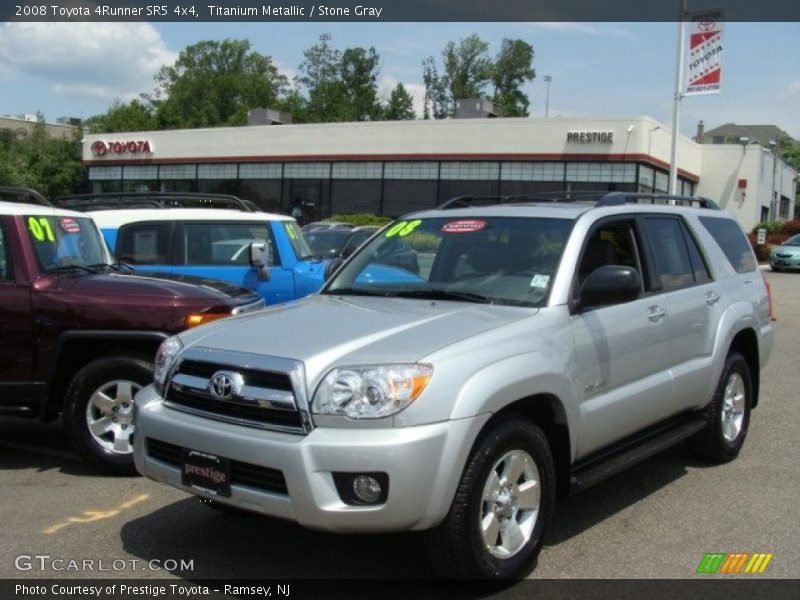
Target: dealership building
[(394, 167)]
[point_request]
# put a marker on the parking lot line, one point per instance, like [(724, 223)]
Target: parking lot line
[(90, 516)]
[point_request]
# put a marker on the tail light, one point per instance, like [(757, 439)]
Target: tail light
[(772, 316)]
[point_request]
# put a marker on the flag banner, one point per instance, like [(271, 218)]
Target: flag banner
[(704, 69)]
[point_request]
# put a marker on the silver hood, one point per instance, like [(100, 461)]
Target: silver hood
[(323, 331)]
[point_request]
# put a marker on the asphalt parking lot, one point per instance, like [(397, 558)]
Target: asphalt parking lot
[(657, 520)]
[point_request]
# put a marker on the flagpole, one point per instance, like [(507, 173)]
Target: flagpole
[(676, 103)]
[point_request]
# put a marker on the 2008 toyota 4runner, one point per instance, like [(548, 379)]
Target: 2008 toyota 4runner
[(539, 347)]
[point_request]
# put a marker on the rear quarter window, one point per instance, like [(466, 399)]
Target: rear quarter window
[(733, 243)]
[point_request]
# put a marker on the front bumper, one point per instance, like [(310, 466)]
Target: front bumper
[(779, 262), (423, 463)]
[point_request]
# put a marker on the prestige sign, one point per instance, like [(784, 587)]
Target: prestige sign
[(590, 137), (101, 148)]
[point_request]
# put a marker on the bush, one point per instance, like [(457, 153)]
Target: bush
[(361, 219), (791, 227), (770, 226)]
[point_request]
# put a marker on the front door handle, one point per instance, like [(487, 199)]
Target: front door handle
[(712, 298), (656, 313)]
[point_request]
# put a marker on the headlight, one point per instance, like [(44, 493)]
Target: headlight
[(165, 358), (370, 392)]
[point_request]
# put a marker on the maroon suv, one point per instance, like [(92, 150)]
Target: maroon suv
[(78, 331)]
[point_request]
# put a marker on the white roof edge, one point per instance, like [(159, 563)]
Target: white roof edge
[(21, 208), (123, 216)]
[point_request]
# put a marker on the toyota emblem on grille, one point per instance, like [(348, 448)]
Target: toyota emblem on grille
[(224, 384)]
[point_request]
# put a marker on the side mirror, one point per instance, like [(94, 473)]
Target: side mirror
[(611, 284), (332, 267), (260, 259)]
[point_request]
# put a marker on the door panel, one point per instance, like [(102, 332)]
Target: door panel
[(621, 356), (16, 324)]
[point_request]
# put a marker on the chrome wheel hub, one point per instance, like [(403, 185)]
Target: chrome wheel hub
[(732, 413), (510, 504), (109, 415)]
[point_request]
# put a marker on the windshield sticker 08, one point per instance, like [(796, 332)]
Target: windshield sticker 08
[(464, 226), (40, 229), (403, 228), (69, 225)]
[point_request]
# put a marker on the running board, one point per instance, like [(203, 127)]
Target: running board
[(17, 411), (596, 470)]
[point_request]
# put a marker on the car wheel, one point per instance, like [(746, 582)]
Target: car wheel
[(776, 269), (502, 507), (98, 411), (728, 414)]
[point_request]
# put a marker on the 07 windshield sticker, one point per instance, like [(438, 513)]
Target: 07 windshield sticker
[(403, 228), (464, 226), (40, 229)]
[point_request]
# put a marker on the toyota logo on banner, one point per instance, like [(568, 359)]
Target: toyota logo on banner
[(101, 148), (224, 384)]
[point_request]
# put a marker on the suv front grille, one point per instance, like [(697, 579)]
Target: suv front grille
[(262, 398), (244, 474)]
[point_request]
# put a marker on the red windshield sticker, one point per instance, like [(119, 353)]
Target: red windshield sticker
[(467, 226), (69, 225)]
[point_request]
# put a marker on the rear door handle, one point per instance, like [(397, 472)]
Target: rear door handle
[(656, 313), (712, 298), (748, 282)]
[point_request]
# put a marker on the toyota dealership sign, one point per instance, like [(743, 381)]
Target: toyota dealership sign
[(132, 148)]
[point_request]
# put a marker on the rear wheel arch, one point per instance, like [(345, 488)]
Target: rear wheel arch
[(745, 342)]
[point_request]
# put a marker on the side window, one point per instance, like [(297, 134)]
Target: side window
[(609, 244), (701, 274), (730, 238), (5, 258), (670, 253), (226, 244), (144, 244)]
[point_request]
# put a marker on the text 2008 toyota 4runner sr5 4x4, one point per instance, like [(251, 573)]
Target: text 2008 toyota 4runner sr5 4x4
[(79, 331), (539, 347)]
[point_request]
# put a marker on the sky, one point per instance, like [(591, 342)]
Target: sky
[(597, 69)]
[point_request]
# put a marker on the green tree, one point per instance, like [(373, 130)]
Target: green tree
[(131, 116), (341, 86), (468, 67), (49, 165), (215, 84), (400, 106), (437, 103), (513, 68)]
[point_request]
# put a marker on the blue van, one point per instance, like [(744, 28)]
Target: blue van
[(205, 235)]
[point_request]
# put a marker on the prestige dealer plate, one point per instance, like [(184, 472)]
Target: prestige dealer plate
[(206, 472)]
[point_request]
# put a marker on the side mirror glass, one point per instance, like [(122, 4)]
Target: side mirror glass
[(260, 258), (611, 284), (332, 267)]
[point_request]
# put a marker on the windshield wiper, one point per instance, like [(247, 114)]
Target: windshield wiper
[(63, 268), (445, 295), (351, 291), (117, 266)]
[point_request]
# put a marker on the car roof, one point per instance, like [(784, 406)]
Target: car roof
[(118, 218), (21, 208)]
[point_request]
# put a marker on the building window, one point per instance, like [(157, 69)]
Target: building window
[(260, 171), (470, 171), (662, 182), (784, 209), (602, 172), (647, 177), (218, 171), (403, 196), (310, 170), (177, 172), (411, 170), (140, 172), (351, 196), (529, 171), (105, 173), (357, 170)]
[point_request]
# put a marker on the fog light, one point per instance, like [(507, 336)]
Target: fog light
[(367, 489)]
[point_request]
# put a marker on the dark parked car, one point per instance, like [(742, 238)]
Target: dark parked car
[(338, 242), (80, 330), (325, 225)]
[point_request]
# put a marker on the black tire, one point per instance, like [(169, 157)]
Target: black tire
[(90, 378), (456, 546), (776, 269), (710, 443)]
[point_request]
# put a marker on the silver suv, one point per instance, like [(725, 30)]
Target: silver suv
[(540, 345)]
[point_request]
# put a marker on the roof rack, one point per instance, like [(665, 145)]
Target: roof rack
[(598, 199), (22, 195), (117, 200)]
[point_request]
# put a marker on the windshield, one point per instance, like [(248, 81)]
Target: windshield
[(65, 242), (792, 241), (327, 243), (298, 242), (489, 260)]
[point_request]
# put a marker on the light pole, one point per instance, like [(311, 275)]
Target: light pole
[(547, 80)]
